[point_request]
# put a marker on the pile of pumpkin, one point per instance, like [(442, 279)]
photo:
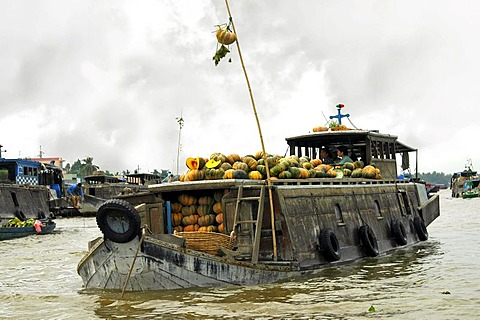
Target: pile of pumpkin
[(253, 167), (203, 214)]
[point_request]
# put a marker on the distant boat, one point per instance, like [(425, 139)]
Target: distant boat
[(7, 233), (26, 190)]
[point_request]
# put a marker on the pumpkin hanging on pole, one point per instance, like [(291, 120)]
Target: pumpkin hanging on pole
[(225, 37)]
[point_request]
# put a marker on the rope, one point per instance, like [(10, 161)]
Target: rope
[(144, 228), (352, 123)]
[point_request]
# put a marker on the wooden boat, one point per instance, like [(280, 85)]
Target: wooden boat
[(13, 232), (273, 229)]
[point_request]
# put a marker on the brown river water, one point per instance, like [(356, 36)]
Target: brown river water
[(437, 279)]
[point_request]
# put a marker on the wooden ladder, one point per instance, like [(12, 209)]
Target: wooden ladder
[(255, 247)]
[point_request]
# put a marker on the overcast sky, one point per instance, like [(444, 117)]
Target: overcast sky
[(107, 79)]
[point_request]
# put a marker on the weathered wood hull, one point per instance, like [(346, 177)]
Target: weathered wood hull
[(163, 266), (31, 200), (302, 212)]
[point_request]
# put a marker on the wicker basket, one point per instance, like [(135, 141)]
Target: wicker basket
[(208, 242)]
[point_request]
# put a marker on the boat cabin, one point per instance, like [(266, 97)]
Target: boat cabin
[(29, 172), (371, 147)]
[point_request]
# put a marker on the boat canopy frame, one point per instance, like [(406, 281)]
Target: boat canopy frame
[(370, 146)]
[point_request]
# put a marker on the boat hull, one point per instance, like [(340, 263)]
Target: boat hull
[(372, 219), (12, 233), (163, 266)]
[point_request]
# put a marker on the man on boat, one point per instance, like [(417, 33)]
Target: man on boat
[(342, 154), (325, 155), (75, 193)]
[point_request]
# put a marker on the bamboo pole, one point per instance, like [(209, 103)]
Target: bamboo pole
[(269, 182)]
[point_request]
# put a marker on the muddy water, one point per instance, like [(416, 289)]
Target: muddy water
[(438, 279)]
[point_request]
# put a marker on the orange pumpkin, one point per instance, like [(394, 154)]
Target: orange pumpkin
[(178, 228), (189, 220), (217, 207), (232, 158), (186, 199), (195, 163), (195, 174), (303, 173), (176, 207), (315, 162), (251, 163), (259, 155), (207, 229), (228, 174), (177, 219), (191, 228), (320, 129), (255, 175), (219, 218), (225, 37), (221, 228)]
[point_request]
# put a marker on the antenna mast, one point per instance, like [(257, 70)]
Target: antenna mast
[(180, 122)]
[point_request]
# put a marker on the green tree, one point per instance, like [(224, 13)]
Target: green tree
[(88, 167)]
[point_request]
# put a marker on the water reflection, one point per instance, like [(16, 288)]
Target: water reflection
[(331, 293)]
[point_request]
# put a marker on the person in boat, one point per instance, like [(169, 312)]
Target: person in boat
[(325, 155), (342, 154), (75, 193)]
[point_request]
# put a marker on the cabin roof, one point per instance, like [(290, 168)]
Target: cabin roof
[(346, 137)]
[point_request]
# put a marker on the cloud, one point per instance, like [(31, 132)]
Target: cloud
[(108, 79)]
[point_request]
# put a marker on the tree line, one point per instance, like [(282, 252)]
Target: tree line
[(435, 177)]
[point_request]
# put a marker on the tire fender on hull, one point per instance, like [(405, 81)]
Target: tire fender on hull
[(329, 245), (118, 220), (420, 228), (399, 233), (369, 241)]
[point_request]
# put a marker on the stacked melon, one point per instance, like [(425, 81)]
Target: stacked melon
[(254, 167), (204, 214)]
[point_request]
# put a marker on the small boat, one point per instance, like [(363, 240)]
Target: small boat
[(465, 184), (46, 226), (217, 229)]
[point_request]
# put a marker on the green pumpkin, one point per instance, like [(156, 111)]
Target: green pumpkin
[(320, 174), (262, 169), (295, 172), (240, 165), (349, 165), (240, 174), (358, 164), (285, 175), (357, 173)]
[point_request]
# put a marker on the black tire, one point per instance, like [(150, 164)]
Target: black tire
[(399, 233), (329, 245), (420, 228), (369, 241), (20, 215), (118, 220)]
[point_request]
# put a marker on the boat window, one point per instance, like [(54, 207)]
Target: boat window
[(404, 202), (338, 213), (378, 211)]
